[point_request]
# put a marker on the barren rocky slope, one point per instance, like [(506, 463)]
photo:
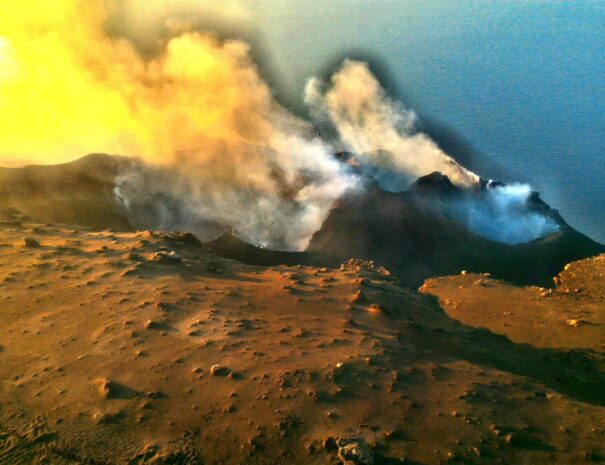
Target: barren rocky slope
[(142, 347), (409, 232), (79, 192)]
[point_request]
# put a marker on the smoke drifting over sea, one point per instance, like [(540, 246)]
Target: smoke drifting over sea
[(217, 151)]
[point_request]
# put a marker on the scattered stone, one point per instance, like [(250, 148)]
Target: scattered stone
[(511, 439), (354, 452), (359, 297), (31, 242), (229, 409), (377, 309), (330, 444), (575, 323), (152, 324), (219, 370), (113, 390), (164, 307), (496, 429), (166, 258), (107, 418)]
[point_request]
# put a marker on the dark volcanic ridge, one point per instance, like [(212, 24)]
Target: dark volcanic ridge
[(416, 234)]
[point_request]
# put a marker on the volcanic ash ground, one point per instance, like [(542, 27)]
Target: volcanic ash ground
[(142, 348)]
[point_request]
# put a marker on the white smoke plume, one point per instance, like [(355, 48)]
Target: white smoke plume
[(276, 190), (502, 214), (379, 131), (276, 199), (382, 136), (217, 151)]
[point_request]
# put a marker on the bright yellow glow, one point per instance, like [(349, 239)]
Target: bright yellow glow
[(66, 89)]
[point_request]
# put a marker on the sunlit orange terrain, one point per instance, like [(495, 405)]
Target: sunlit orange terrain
[(144, 348)]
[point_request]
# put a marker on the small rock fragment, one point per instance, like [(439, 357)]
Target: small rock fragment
[(31, 242), (354, 452), (330, 444), (152, 324), (113, 390), (575, 323), (359, 297), (168, 258), (219, 370)]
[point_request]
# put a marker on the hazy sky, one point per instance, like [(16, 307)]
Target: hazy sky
[(523, 82)]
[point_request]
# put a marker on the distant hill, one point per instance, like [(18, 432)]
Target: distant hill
[(79, 192)]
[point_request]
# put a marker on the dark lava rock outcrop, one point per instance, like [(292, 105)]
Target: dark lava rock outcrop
[(413, 234)]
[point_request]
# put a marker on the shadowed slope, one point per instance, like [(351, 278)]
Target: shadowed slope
[(79, 192), (412, 234), (230, 246)]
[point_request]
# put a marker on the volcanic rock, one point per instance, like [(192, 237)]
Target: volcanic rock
[(31, 242), (219, 370), (412, 235), (114, 390), (168, 258), (353, 451)]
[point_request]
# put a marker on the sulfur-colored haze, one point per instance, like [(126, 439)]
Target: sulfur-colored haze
[(67, 88), (195, 105)]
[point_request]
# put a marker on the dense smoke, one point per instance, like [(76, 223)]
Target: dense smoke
[(502, 213), (384, 141), (217, 152), (196, 110), (380, 132), (271, 198)]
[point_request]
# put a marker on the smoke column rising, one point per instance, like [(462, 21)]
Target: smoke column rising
[(382, 136), (378, 130), (217, 152)]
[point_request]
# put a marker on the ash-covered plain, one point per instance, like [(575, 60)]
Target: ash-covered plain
[(150, 347)]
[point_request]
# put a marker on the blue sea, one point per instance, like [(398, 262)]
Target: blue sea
[(521, 85)]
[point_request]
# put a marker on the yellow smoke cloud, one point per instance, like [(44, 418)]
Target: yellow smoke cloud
[(67, 89), (136, 77), (73, 81)]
